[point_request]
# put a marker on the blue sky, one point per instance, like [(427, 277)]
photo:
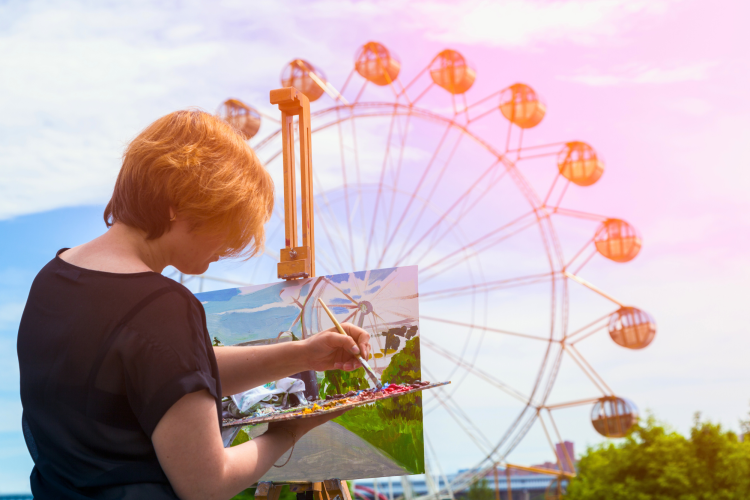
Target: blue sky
[(658, 85)]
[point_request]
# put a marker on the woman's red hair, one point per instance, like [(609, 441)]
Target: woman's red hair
[(199, 166)]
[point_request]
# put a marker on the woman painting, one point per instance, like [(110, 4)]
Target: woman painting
[(120, 385)]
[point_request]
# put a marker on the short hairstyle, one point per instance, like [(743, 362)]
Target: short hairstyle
[(198, 165)]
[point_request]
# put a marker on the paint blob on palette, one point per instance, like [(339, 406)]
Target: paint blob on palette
[(378, 438)]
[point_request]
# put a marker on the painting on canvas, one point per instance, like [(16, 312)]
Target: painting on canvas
[(382, 439)]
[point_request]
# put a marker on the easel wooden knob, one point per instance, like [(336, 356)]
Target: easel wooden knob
[(296, 261)]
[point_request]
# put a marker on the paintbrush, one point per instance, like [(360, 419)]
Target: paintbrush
[(364, 364)]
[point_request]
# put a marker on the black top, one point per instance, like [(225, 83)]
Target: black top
[(103, 356)]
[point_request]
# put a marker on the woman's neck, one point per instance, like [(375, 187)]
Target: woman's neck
[(122, 249)]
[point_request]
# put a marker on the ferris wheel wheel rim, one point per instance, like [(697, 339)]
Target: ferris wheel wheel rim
[(544, 223)]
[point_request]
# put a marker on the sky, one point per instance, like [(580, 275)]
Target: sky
[(659, 87)]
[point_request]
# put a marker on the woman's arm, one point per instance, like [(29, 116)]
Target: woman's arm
[(242, 368), (188, 444)]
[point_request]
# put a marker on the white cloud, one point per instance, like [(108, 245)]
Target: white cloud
[(642, 74), (520, 23), (80, 79)]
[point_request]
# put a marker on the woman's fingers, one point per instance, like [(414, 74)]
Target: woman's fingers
[(361, 337), (344, 342)]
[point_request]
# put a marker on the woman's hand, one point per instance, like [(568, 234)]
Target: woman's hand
[(329, 350)]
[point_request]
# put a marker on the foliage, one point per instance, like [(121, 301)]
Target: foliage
[(249, 494), (341, 382), (655, 463), (394, 425), (241, 437), (745, 428), (404, 368), (479, 490)]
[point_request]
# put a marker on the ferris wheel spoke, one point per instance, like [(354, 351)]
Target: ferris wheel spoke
[(359, 174), (488, 286), (327, 204), (323, 259), (330, 240), (520, 141), (346, 188), (591, 287), (586, 261), (592, 376), (437, 223), (549, 441), (395, 178), (429, 196), (380, 188), (476, 371), (334, 244), (460, 417), (578, 214), (578, 254), (437, 238), (485, 328), (446, 260), (562, 194), (469, 255), (389, 239), (589, 325), (463, 428), (587, 335)]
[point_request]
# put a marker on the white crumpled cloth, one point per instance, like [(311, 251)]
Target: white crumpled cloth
[(260, 398)]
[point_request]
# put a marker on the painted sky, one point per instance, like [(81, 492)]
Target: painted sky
[(659, 87)]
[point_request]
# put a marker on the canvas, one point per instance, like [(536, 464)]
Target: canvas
[(377, 440)]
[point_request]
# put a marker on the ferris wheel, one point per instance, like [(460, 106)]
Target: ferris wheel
[(413, 173)]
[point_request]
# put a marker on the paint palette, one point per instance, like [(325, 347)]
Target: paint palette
[(327, 406)]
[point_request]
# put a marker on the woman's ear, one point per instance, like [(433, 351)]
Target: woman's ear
[(172, 215)]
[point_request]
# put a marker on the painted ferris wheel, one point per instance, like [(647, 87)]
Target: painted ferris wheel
[(415, 173)]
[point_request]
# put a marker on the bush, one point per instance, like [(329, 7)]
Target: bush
[(655, 463)]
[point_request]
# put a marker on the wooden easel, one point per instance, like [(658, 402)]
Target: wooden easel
[(298, 262)]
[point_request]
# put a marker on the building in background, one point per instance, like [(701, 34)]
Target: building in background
[(525, 485)]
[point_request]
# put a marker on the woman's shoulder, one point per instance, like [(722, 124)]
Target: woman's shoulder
[(129, 293)]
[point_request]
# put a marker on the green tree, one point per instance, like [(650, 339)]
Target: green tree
[(479, 490), (341, 382), (656, 463), (249, 494), (404, 368), (745, 428)]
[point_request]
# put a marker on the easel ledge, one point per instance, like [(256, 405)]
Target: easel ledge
[(330, 489)]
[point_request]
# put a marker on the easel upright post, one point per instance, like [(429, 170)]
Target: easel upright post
[(296, 261), (299, 261)]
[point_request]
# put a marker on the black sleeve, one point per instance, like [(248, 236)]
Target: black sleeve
[(164, 354)]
